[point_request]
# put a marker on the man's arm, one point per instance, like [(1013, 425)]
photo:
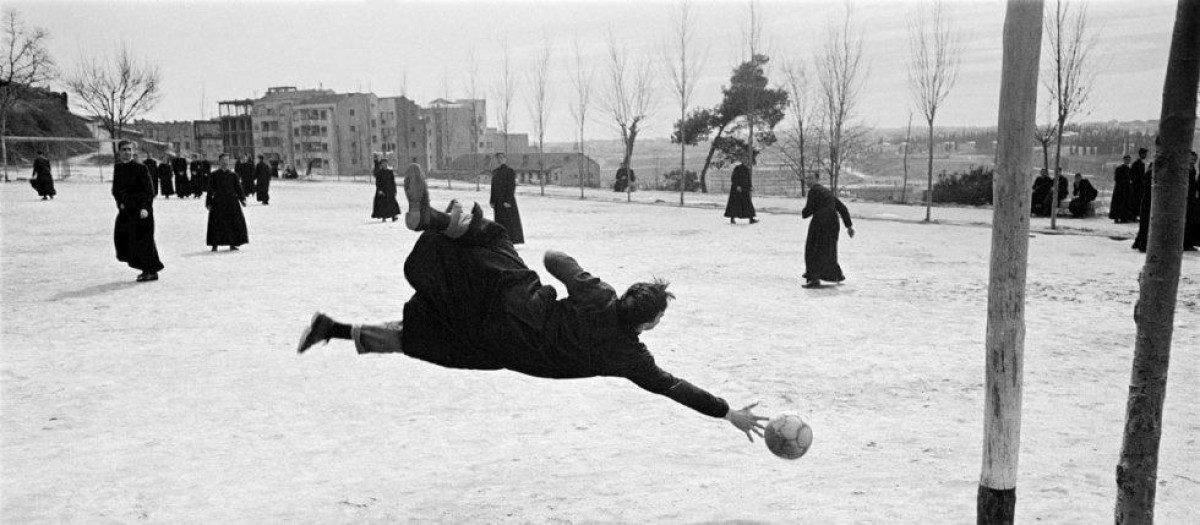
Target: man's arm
[(654, 379)]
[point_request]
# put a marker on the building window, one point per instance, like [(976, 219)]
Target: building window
[(414, 145), (353, 161), (351, 112), (414, 159), (324, 146)]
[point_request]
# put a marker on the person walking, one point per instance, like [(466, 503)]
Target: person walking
[(245, 172), (385, 205), (477, 306), (821, 247), (740, 205), (133, 233), (183, 188), (1118, 207), (42, 180), (166, 183), (225, 200), (504, 200)]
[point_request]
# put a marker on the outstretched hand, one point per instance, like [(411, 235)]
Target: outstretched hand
[(746, 421), (850, 231)]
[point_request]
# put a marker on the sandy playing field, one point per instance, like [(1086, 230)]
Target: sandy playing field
[(183, 400)]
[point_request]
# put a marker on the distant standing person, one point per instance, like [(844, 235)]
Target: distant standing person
[(504, 200), (42, 180), (199, 182), (740, 205), (152, 168), (1082, 196), (262, 176), (1138, 182), (1043, 185), (166, 183), (821, 247), (183, 188), (385, 193), (245, 172), (225, 200), (133, 234), (1118, 207), (1191, 230), (1146, 193)]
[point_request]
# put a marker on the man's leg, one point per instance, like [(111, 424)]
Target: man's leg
[(368, 339)]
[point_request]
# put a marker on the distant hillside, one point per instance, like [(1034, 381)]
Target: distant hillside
[(45, 116)]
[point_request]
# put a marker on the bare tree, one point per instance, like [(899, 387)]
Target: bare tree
[(1005, 341), (907, 143), (26, 65), (683, 67), (540, 102), (115, 89), (506, 91), (1044, 134), (934, 50), (797, 143), (581, 80), (1072, 75), (628, 98), (753, 38), (473, 94), (1137, 471), (840, 77)]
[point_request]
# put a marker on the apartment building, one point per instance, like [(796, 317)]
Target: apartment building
[(208, 138), (179, 135), (271, 122), (334, 134), (495, 141), (237, 127), (405, 135), (457, 127)]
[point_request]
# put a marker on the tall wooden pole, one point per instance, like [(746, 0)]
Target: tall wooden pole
[(1005, 345), (1137, 471)]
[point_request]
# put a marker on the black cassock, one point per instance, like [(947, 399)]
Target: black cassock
[(43, 181), (166, 183), (821, 247), (504, 203), (1191, 231), (1083, 194), (1139, 180), (200, 171), (262, 176), (1118, 207), (179, 165), (1042, 187), (740, 206), (385, 206), (226, 222), (152, 169), (245, 172), (133, 236), (1147, 182)]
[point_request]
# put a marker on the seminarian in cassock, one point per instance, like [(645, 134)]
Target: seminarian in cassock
[(133, 233), (504, 200), (385, 206), (226, 222), (821, 247)]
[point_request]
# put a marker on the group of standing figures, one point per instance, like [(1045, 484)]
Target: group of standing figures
[(821, 247), (135, 185), (1131, 199)]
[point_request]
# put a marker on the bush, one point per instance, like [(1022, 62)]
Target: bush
[(671, 181), (973, 187)]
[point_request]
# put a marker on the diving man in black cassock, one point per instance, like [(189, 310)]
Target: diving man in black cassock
[(477, 306)]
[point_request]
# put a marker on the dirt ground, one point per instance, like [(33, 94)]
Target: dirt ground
[(183, 400)]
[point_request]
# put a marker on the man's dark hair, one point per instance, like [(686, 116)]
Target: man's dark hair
[(40, 152), (643, 302), (1142, 152), (221, 156), (124, 143), (260, 157)]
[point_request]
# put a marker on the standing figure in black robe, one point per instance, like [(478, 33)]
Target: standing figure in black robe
[(385, 193), (1082, 196), (42, 180), (262, 179), (821, 247), (166, 178), (504, 200), (225, 200), (245, 172), (740, 206), (477, 306), (1138, 182), (1191, 229), (1118, 207), (133, 234), (1043, 185), (625, 179), (1139, 242), (179, 166), (152, 169), (199, 181)]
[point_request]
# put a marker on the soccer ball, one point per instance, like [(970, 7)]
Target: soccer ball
[(788, 436)]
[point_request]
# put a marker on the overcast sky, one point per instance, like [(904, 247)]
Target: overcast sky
[(210, 51)]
